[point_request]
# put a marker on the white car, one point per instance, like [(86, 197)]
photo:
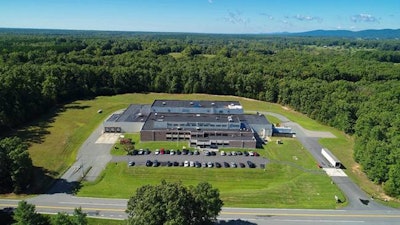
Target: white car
[(157, 152), (186, 164), (191, 163), (172, 152), (223, 153), (210, 164), (251, 153)]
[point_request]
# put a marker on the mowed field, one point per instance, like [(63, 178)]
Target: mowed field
[(56, 138), (290, 180)]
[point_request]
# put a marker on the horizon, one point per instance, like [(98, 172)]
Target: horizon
[(200, 16)]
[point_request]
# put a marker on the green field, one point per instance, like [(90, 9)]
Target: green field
[(56, 137), (291, 180)]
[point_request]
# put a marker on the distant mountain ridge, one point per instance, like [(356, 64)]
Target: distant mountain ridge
[(366, 34)]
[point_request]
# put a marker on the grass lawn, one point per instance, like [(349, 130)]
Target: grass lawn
[(96, 221), (291, 180), (56, 137)]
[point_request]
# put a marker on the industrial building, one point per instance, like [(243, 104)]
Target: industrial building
[(204, 124)]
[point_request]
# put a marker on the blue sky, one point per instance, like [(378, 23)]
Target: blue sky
[(203, 16)]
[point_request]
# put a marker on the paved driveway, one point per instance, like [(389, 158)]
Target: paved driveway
[(141, 159)]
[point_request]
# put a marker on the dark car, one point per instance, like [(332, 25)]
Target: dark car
[(178, 152), (169, 164), (226, 165), (218, 165), (167, 152), (176, 163), (239, 153), (213, 153), (246, 153), (185, 152), (149, 163), (256, 154), (156, 163), (197, 164), (134, 152), (242, 165), (147, 152), (251, 164), (190, 153), (131, 163)]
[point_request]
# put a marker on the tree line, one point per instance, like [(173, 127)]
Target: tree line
[(349, 84)]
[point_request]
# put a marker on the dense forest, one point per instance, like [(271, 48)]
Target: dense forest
[(350, 84)]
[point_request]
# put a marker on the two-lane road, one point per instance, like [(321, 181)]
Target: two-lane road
[(115, 209)]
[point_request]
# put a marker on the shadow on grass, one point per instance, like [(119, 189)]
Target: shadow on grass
[(235, 222), (36, 131), (46, 183)]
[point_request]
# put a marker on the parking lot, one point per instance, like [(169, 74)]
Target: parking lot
[(199, 159)]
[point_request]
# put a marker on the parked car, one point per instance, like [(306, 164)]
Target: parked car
[(134, 152), (233, 153), (191, 163), (196, 152), (246, 153), (178, 152), (131, 163), (223, 153), (242, 165), (176, 163), (251, 164), (226, 165), (206, 153), (197, 164), (218, 165), (239, 153), (233, 165), (169, 164), (172, 152), (149, 163), (256, 154), (147, 152), (210, 164), (162, 152), (186, 164), (185, 152), (213, 153), (251, 153), (204, 164), (156, 163), (157, 152)]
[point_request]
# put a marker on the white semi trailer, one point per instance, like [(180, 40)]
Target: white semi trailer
[(331, 158)]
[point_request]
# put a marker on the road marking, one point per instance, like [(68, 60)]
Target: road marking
[(88, 203), (311, 214), (258, 214), (323, 221)]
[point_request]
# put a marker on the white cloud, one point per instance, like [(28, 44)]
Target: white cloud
[(364, 17), (236, 18), (307, 18), (210, 1), (269, 17)]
